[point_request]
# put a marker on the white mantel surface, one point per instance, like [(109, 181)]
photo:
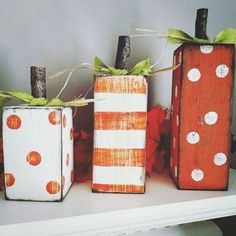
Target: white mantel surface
[(85, 213)]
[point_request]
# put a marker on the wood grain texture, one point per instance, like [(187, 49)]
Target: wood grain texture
[(205, 115), (38, 81), (119, 134), (120, 84), (120, 120)]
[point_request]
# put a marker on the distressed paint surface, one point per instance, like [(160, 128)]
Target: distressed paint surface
[(119, 134), (200, 141), (34, 152)]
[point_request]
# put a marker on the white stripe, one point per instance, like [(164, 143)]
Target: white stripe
[(119, 175), (120, 102), (119, 138)]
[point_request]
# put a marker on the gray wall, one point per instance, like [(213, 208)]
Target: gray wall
[(63, 33)]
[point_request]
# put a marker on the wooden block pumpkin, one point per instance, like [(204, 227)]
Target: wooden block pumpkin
[(38, 152), (119, 134), (201, 115)]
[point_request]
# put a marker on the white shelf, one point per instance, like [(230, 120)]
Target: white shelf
[(85, 213)]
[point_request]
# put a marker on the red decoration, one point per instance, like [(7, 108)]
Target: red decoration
[(157, 145), (83, 146)]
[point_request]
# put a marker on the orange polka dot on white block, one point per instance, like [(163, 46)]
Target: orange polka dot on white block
[(13, 122), (222, 71), (194, 75), (211, 117), (197, 175), (193, 137), (220, 159), (176, 91), (54, 117), (206, 49)]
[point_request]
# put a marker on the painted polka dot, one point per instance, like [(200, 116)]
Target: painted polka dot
[(206, 49), (53, 187), (220, 159), (194, 75), (177, 120), (54, 118), (33, 158), (222, 71), (197, 175), (193, 137), (180, 57), (67, 159), (9, 179), (72, 176), (176, 171), (211, 117), (71, 134), (176, 91), (13, 122), (174, 142), (64, 121)]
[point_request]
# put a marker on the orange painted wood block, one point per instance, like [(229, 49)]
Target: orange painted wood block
[(120, 119), (201, 116)]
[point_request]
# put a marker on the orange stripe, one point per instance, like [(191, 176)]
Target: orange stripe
[(119, 84), (119, 120), (118, 188), (119, 157)]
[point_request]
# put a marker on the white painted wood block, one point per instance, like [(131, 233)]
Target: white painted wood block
[(38, 152)]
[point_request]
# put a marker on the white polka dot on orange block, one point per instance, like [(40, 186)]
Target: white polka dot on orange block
[(206, 49), (180, 57), (197, 175), (176, 91), (211, 117), (176, 171), (13, 122), (174, 142), (222, 71), (220, 159), (193, 137), (177, 120), (194, 75)]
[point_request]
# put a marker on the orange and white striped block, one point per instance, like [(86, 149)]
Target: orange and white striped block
[(119, 134), (38, 152), (201, 116)]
